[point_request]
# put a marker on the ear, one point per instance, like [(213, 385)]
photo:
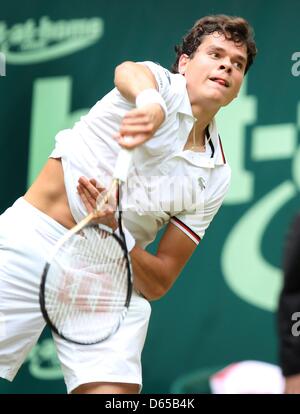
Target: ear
[(182, 63)]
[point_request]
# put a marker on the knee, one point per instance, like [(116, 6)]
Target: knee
[(107, 388)]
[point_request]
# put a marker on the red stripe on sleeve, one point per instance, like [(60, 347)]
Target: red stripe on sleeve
[(187, 228)]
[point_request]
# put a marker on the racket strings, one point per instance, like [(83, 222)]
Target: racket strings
[(87, 284)]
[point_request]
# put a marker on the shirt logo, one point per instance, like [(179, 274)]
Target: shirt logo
[(201, 183)]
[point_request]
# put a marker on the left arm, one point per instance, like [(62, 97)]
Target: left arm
[(154, 275)]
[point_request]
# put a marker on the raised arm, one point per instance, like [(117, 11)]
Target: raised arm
[(132, 78), (138, 85)]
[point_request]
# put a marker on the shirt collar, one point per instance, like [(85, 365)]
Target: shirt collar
[(219, 156), (185, 105), (186, 109)]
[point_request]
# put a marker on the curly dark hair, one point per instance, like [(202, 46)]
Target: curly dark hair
[(233, 28)]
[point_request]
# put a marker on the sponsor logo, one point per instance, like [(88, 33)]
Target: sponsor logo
[(45, 39)]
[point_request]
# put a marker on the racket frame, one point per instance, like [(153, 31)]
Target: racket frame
[(120, 175), (44, 278)]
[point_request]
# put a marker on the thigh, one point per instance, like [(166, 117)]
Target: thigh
[(26, 237), (20, 316), (116, 360), (107, 388)]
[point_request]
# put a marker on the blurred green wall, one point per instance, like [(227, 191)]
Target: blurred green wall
[(60, 58)]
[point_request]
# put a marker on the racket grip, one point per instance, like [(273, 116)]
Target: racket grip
[(123, 164)]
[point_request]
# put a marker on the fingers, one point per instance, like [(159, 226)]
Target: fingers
[(132, 143), (105, 212), (107, 217), (97, 184), (136, 113), (141, 124), (131, 129), (137, 122), (94, 195), (92, 186), (136, 118), (88, 192), (146, 113), (85, 199)]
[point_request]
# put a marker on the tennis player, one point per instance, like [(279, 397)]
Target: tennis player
[(170, 119)]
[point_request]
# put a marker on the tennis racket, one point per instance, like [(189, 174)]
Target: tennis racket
[(86, 284)]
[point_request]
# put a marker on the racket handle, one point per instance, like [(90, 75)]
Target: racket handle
[(123, 164)]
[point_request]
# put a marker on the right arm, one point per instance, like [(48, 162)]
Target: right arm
[(132, 78), (140, 123)]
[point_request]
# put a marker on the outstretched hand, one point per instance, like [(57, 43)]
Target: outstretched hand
[(92, 194)]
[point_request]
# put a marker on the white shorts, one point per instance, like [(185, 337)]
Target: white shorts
[(26, 238)]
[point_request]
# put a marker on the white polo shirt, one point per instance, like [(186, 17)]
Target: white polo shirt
[(166, 182)]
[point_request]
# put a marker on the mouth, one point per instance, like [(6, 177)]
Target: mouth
[(220, 81)]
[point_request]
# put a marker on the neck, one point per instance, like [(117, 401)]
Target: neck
[(203, 118), (203, 115), (196, 139)]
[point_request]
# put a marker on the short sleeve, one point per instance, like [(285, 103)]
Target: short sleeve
[(162, 76), (195, 223)]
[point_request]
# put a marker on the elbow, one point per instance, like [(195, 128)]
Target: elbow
[(159, 290), (155, 295), (122, 70)]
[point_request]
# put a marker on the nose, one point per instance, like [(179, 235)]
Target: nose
[(226, 65)]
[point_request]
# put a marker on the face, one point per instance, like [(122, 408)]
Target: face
[(215, 72)]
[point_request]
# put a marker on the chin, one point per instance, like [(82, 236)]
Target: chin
[(217, 97), (227, 102)]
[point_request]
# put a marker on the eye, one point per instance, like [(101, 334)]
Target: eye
[(239, 65), (215, 54)]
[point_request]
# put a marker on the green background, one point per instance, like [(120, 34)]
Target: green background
[(222, 308)]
